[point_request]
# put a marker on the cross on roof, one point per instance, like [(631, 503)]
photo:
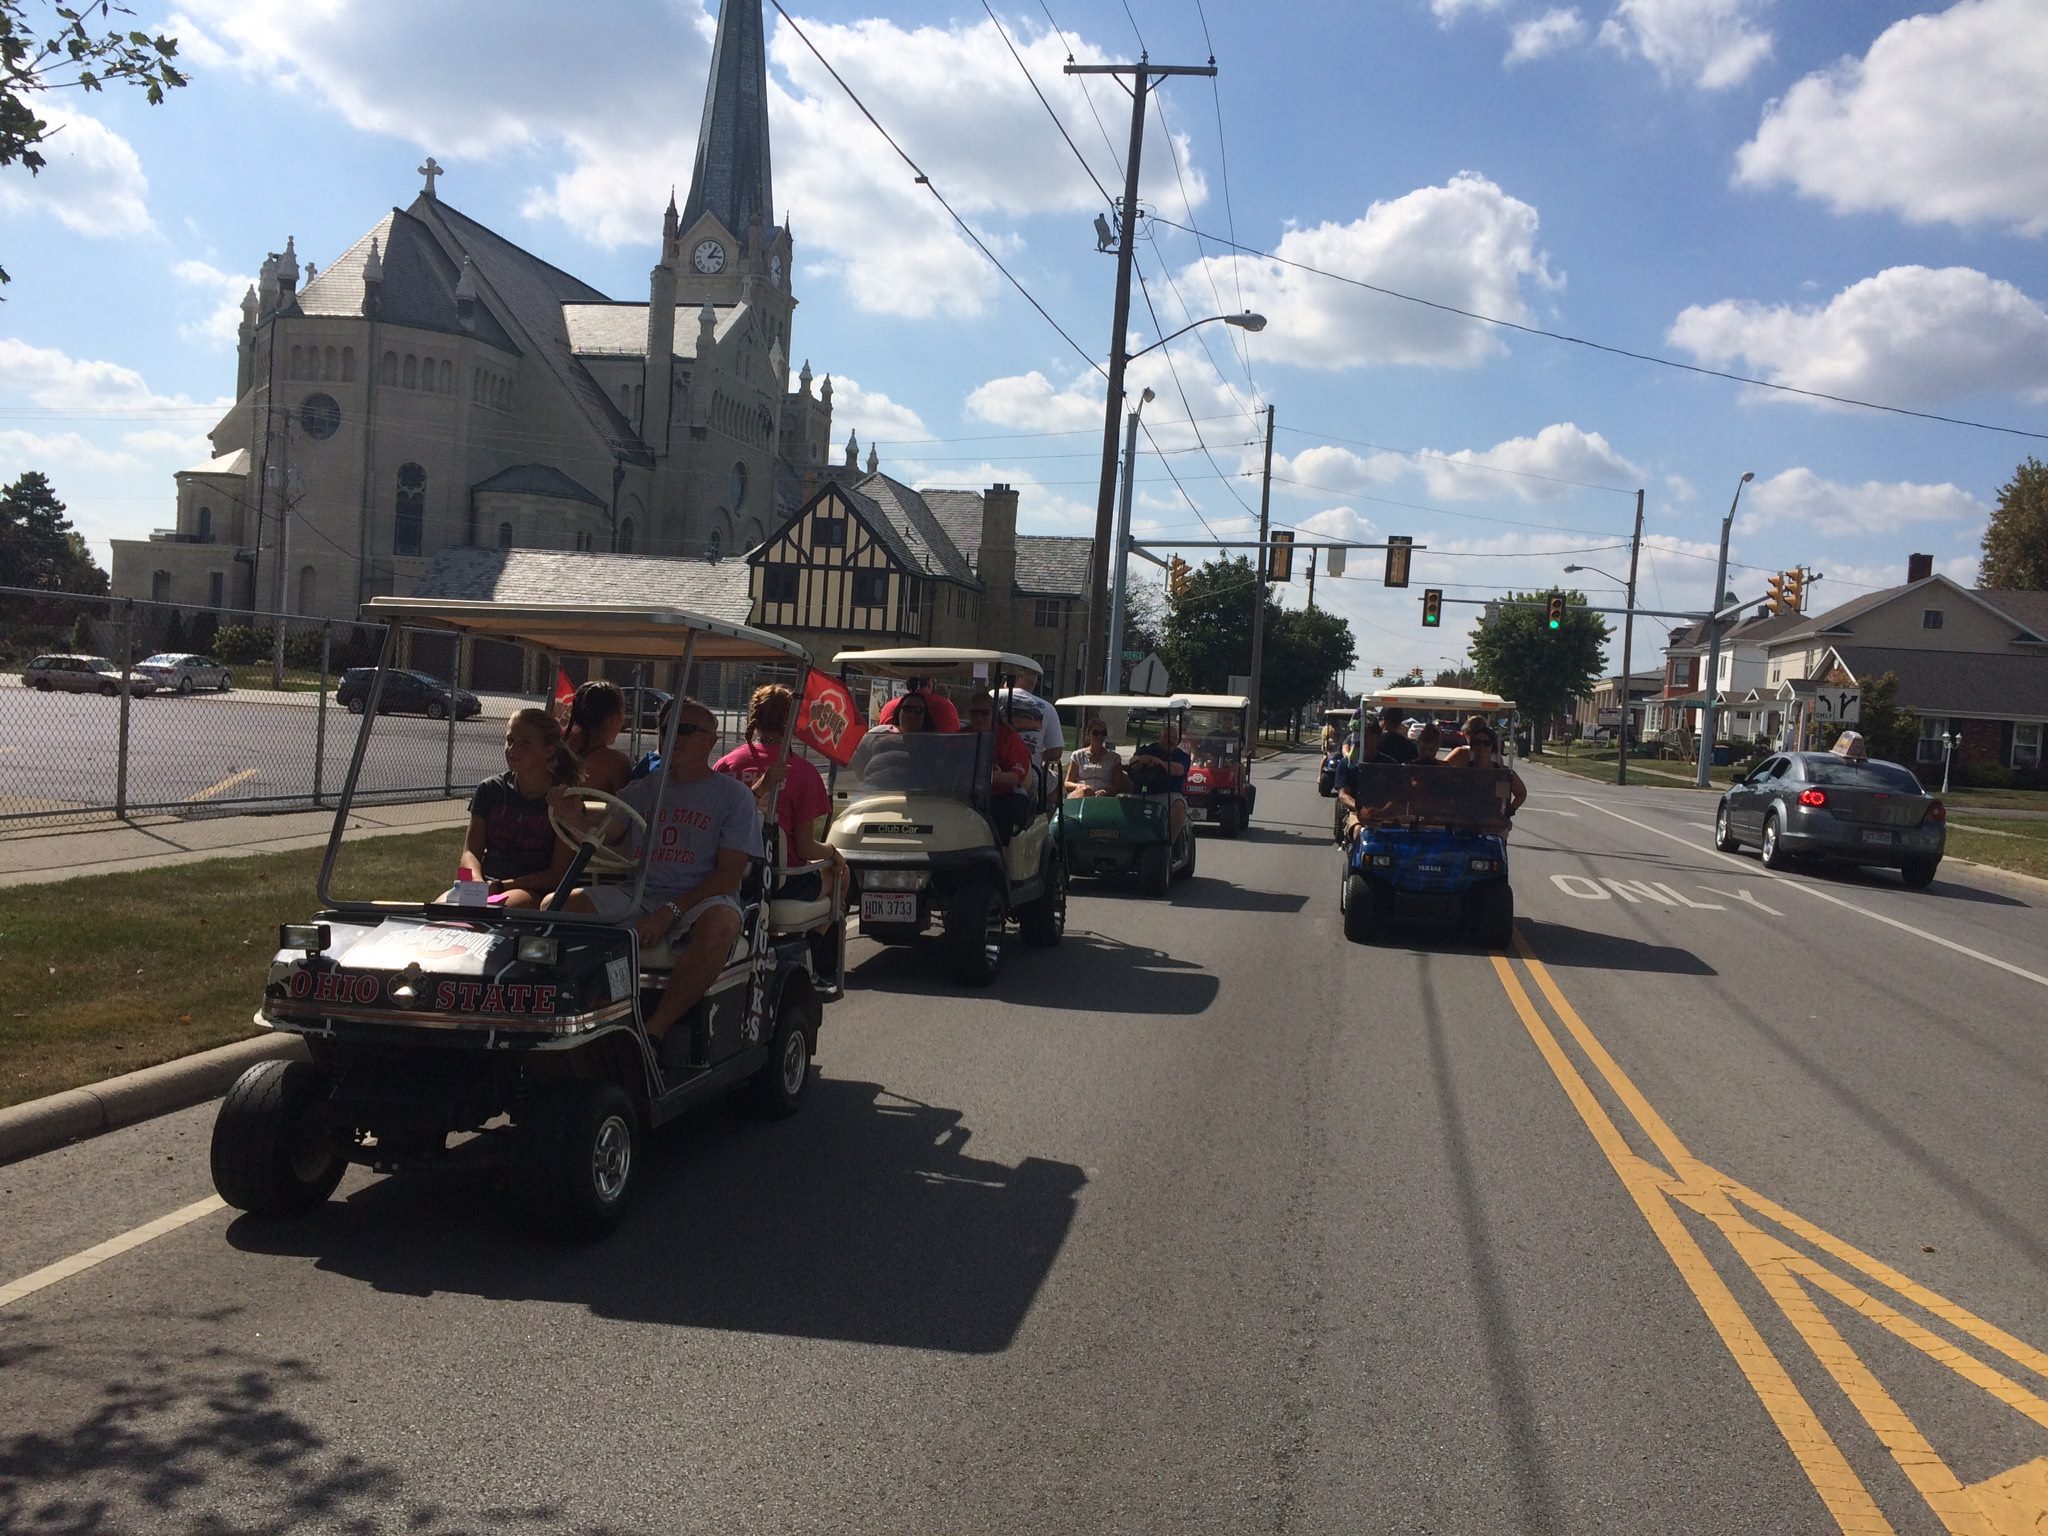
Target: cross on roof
[(430, 170)]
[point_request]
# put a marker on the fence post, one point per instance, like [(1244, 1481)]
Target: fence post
[(121, 750), (320, 722), (454, 695)]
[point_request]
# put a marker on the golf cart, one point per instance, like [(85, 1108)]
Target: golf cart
[(430, 1019), (914, 821), (1217, 736), (1131, 833), (1431, 844)]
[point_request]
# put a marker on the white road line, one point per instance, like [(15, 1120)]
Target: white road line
[(1848, 906), (113, 1247)]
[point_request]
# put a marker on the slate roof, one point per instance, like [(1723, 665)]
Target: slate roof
[(731, 177), (418, 289), (555, 576), (1685, 637), (959, 513), (1839, 617), (2029, 609), (620, 330), (1757, 630), (920, 532), (236, 463), (1052, 566), (2008, 685), (538, 480)]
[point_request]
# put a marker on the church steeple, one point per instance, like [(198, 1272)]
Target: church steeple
[(731, 179)]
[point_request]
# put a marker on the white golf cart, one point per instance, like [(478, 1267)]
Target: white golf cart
[(915, 821), (427, 1020)]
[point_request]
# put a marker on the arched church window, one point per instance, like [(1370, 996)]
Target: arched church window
[(206, 525), (626, 537), (427, 374), (348, 365), (447, 377), (410, 513), (504, 535), (714, 547), (411, 379), (330, 364), (309, 589), (387, 371)]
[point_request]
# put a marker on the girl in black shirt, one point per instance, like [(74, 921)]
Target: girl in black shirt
[(510, 846)]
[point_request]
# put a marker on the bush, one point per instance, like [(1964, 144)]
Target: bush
[(240, 645), (1989, 776), (204, 627), (302, 649)]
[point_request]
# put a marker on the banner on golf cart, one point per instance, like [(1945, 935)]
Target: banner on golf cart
[(827, 721), (1444, 795)]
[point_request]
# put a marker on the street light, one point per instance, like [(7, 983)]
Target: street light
[(1105, 496), (1951, 742), (1708, 723), (1113, 652)]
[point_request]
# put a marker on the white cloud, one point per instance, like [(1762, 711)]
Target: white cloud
[(1466, 244), (1032, 402), (1450, 12), (223, 292), (1940, 122), (876, 417), (1798, 500), (93, 183), (1908, 336), (1678, 490), (1531, 468), (1552, 32), (1327, 469), (50, 451), (1714, 44)]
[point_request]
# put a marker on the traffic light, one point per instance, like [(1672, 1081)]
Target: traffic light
[(1795, 590), (1780, 599), (1379, 671), (1333, 560), (1398, 556), (1557, 610), (1177, 578), (1280, 557), (1432, 608)]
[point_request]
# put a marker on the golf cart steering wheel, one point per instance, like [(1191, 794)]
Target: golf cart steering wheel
[(604, 858)]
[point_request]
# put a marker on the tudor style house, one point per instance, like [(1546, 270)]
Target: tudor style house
[(436, 387)]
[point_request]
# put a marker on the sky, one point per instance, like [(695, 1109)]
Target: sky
[(1844, 199)]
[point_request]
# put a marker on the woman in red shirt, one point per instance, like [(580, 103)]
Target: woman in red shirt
[(802, 804)]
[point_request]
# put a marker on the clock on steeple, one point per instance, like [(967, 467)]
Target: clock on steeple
[(709, 257)]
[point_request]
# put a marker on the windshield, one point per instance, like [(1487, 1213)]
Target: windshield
[(1842, 774), (1214, 736), (1437, 796), (954, 765)]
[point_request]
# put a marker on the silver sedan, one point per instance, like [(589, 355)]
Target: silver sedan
[(1816, 805), (182, 672)]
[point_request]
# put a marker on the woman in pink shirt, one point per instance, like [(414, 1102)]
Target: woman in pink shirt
[(803, 802)]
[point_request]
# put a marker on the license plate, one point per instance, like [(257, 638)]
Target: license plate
[(1884, 838), (1198, 813), (888, 906)]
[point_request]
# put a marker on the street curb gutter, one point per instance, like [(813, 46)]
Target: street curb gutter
[(43, 1124)]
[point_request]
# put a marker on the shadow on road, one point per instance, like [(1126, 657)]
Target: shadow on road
[(1288, 832), (864, 1219), (1221, 896), (1086, 965), (1556, 944)]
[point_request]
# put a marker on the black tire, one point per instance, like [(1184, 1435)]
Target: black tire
[(1775, 854), (436, 710), (1358, 909), (43, 685), (973, 938), (577, 1153), (1043, 921), (108, 690), (1337, 824), (226, 682), (1250, 808), (1919, 873), (271, 1156), (778, 1090), (356, 705), (1155, 870), (1724, 831), (185, 683), (1497, 918), (1187, 870), (1231, 818)]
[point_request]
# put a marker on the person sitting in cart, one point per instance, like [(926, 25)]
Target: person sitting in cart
[(510, 846), (1096, 769), (1010, 779), (1165, 756), (1371, 749), (1482, 750), (1429, 741), (708, 833), (935, 710), (1394, 740), (801, 800), (597, 714)]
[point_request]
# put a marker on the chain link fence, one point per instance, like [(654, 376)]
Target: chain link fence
[(117, 708)]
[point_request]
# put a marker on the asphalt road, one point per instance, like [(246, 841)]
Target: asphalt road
[(1718, 1210)]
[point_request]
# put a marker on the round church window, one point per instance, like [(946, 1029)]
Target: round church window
[(320, 417)]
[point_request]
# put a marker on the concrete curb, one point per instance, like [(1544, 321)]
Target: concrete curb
[(43, 1124)]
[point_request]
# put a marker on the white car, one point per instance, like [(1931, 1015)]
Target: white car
[(181, 672)]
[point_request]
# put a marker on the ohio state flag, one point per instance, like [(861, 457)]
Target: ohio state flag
[(826, 719), (565, 695)]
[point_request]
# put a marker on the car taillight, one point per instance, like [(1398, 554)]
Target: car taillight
[(1937, 812), (1813, 797)]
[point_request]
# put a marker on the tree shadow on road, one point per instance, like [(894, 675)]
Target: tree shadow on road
[(1557, 944), (863, 1219)]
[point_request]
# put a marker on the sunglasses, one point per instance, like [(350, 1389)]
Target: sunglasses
[(687, 729)]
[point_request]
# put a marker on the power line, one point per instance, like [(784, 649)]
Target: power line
[(1032, 81), (1600, 346)]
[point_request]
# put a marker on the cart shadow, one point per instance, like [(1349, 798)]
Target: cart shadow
[(1557, 944), (1209, 895), (1288, 832), (1088, 965), (864, 1220)]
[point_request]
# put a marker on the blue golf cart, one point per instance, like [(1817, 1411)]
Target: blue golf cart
[(1431, 845)]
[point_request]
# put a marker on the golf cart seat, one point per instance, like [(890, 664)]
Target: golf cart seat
[(788, 915)]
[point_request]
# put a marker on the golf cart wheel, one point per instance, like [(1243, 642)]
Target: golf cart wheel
[(272, 1156), (973, 940), (357, 705), (1724, 832), (436, 710), (1919, 873), (1043, 922), (777, 1091), (1155, 870), (1337, 825), (1187, 870), (1230, 820), (577, 1155), (1497, 918), (1776, 856), (1358, 909)]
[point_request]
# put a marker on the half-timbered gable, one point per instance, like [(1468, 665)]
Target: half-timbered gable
[(839, 566)]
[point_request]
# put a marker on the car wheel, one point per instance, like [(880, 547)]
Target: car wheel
[(777, 1091), (356, 705), (1496, 914), (1775, 855), (185, 683), (1044, 921), (272, 1155), (1724, 832), (577, 1155), (1358, 909), (973, 939), (1919, 873), (108, 690), (1155, 870), (43, 685), (226, 682), (436, 710)]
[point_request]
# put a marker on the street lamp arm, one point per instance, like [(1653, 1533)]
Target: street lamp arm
[(1244, 322)]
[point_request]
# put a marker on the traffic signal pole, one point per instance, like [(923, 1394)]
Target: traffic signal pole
[(1264, 560), (1628, 638)]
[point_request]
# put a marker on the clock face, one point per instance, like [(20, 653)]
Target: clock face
[(775, 266), (709, 257)]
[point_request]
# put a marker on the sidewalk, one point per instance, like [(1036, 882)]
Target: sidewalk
[(32, 857)]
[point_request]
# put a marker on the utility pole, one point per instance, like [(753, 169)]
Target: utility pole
[(1313, 552), (1708, 723), (1628, 638), (1142, 74), (1260, 563), (1113, 652)]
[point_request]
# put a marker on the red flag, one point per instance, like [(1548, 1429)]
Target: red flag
[(826, 719), (565, 691)]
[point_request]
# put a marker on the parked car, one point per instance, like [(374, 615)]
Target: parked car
[(1797, 805), (646, 703), (405, 693), (82, 674), (181, 672)]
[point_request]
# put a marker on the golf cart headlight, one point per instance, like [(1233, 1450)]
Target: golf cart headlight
[(313, 938), (895, 879), (1383, 861), (1483, 866), (537, 949)]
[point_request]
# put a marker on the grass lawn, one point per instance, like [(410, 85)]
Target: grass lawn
[(1598, 764), (1963, 801), (2006, 844), (108, 973)]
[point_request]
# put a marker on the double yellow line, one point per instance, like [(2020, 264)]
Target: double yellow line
[(2016, 1501)]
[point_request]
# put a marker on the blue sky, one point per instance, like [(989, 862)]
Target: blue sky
[(1851, 199)]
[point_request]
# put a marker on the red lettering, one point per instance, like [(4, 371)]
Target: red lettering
[(301, 984), (669, 834), (325, 987), (444, 995), (543, 999), (470, 991), (364, 988), (516, 998), (494, 998)]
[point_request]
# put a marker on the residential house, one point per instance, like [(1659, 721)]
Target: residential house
[(1676, 707), (1604, 705)]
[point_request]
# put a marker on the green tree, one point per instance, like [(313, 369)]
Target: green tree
[(1889, 729), (1144, 615), (1517, 655), (1208, 630), (38, 546), (69, 50), (1304, 650), (1456, 677), (2016, 538)]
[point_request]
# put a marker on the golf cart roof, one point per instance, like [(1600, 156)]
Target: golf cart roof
[(625, 630), (935, 661), (1217, 700), (1124, 701), (1460, 699), (1346, 713)]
